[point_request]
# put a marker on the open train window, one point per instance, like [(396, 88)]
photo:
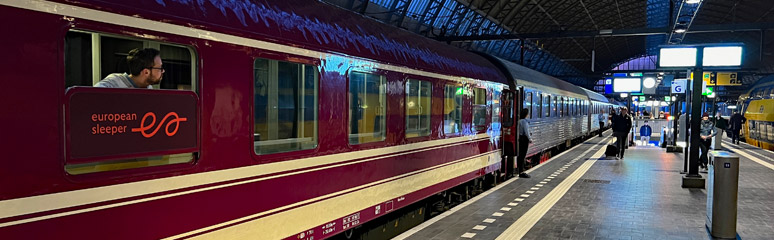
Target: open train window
[(479, 108), (418, 98), (285, 101), (91, 56), (367, 106), (452, 109)]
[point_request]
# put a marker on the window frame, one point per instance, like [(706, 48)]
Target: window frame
[(430, 114), (540, 106), (385, 111), (316, 131), (460, 123), (548, 103), (529, 96), (96, 32), (487, 105)]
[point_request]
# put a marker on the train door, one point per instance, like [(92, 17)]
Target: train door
[(589, 110), (510, 100)]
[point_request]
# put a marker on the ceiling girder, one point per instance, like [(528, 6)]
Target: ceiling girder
[(743, 27)]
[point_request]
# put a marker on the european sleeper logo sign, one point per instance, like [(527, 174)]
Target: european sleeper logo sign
[(176, 120), (110, 124), (120, 120)]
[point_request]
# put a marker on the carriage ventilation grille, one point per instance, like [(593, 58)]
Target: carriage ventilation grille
[(595, 181)]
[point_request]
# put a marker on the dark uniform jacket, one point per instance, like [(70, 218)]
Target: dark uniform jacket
[(622, 123), (736, 121)]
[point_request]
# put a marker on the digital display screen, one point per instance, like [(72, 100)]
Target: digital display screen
[(722, 56), (627, 85), (677, 57)]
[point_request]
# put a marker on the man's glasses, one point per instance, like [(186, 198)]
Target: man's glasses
[(160, 69)]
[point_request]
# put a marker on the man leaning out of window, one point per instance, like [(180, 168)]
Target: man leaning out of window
[(145, 70)]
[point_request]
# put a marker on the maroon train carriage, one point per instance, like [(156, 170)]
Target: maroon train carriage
[(291, 120)]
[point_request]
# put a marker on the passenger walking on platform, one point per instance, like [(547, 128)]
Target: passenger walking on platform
[(525, 138), (707, 132), (602, 119), (736, 125), (622, 124), (645, 132), (722, 125), (145, 70)]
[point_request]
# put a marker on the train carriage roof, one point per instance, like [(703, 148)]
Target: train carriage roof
[(312, 25), (594, 96), (524, 76)]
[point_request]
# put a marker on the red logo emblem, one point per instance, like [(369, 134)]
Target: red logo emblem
[(176, 120)]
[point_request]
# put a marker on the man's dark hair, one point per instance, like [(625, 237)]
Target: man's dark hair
[(139, 59), (524, 112)]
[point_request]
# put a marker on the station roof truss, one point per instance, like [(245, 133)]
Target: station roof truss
[(563, 38)]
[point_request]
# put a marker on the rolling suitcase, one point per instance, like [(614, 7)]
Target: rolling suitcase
[(611, 151)]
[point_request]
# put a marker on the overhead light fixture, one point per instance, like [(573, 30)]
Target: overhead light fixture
[(680, 29), (649, 82), (692, 1)]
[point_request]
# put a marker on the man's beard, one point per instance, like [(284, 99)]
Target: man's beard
[(152, 81)]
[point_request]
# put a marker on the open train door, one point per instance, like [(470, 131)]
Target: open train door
[(511, 100)]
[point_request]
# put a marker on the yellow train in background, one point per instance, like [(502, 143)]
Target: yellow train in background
[(758, 107)]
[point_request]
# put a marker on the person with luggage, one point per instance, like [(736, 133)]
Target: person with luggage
[(525, 138), (707, 131), (735, 126), (622, 124), (645, 132)]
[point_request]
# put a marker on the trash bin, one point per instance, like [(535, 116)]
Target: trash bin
[(722, 189)]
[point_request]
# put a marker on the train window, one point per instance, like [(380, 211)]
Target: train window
[(452, 109), (367, 107), (561, 105), (90, 57), (496, 108), (528, 104), (285, 101), (547, 105), (507, 108), (418, 97), (479, 109), (554, 108)]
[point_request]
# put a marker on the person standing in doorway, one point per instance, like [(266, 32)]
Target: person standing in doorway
[(622, 124), (525, 138), (736, 125)]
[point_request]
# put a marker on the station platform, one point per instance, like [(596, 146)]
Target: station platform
[(580, 194)]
